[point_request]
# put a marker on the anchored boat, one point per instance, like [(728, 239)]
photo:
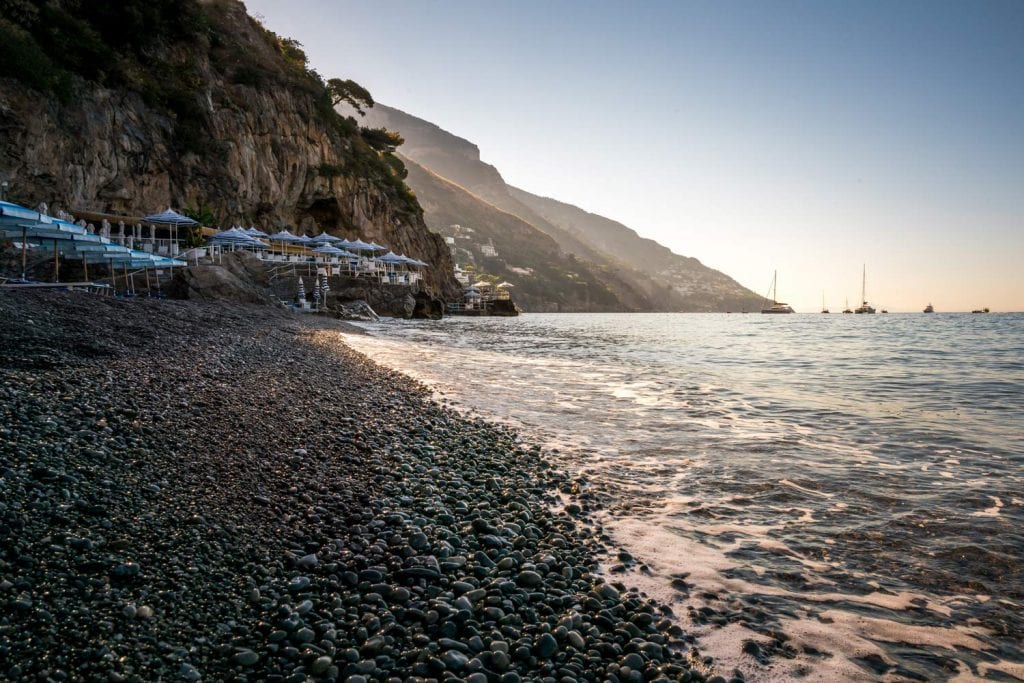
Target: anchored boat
[(777, 306), (864, 307)]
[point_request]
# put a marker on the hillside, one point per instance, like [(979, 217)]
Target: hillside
[(695, 283), (209, 112), (668, 281), (545, 277)]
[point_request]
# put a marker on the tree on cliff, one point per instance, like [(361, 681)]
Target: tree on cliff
[(381, 139), (351, 93)]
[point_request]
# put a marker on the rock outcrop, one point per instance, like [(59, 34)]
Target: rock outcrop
[(240, 277)]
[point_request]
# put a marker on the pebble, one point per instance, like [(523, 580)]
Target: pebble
[(401, 540), (320, 665), (546, 646)]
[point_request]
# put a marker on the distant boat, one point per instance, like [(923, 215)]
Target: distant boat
[(847, 309), (929, 309), (984, 310), (884, 310), (824, 308), (864, 307), (777, 306)]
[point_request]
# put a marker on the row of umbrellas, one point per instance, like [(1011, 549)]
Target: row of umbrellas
[(328, 245), (39, 231)]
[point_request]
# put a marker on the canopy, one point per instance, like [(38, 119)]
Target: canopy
[(504, 285), (16, 212), (481, 283), (170, 217), (255, 232), (107, 252)]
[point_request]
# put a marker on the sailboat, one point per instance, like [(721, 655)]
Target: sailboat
[(864, 307), (847, 309), (777, 306), (824, 308)]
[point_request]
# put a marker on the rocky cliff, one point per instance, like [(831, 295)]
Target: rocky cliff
[(239, 129)]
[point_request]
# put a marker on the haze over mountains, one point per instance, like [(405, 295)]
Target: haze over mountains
[(559, 256)]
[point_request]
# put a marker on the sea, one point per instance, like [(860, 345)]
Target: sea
[(817, 497)]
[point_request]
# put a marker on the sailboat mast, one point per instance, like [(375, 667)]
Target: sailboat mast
[(775, 294), (863, 285)]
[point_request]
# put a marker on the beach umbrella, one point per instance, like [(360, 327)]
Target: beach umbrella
[(302, 291), (331, 250), (324, 238), (236, 237), (326, 287), (282, 236), (316, 293), (255, 232), (391, 257), (172, 219), (359, 245)]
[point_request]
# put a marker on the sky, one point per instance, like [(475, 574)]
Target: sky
[(810, 138)]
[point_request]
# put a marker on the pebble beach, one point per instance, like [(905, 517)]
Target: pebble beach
[(218, 492)]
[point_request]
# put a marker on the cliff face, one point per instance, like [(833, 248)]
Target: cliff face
[(262, 153)]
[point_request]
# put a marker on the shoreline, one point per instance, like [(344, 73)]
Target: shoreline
[(209, 491)]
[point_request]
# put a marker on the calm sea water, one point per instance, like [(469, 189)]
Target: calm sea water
[(845, 491)]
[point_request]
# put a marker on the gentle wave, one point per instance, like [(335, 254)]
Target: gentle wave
[(843, 491)]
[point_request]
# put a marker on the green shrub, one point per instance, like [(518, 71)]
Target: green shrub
[(22, 58)]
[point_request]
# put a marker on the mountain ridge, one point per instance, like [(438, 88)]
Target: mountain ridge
[(669, 281)]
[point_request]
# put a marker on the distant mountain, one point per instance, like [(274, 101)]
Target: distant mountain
[(642, 274), (545, 278), (697, 285)]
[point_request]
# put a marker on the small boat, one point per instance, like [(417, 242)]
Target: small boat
[(929, 309), (864, 307), (983, 310), (885, 310), (824, 308), (777, 306), (847, 309)]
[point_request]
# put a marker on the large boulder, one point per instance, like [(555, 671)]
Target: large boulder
[(239, 277), (428, 307)]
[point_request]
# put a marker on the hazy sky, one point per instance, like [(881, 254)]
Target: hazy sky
[(807, 137)]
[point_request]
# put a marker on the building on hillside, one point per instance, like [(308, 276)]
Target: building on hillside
[(488, 249)]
